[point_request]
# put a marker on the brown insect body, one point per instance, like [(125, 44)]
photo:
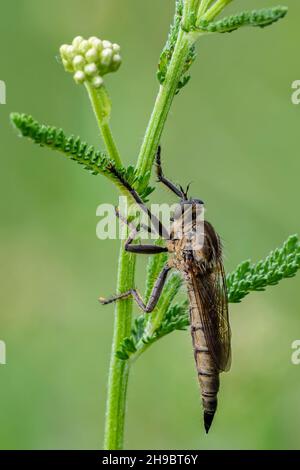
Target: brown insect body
[(196, 251), (204, 275)]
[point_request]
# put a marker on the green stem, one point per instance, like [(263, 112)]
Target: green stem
[(190, 8), (102, 108), (162, 105), (119, 370), (216, 9), (203, 7), (110, 144)]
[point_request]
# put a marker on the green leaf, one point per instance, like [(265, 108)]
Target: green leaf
[(129, 345), (176, 318), (281, 263), (168, 50), (95, 162), (46, 136), (257, 18), (169, 293)]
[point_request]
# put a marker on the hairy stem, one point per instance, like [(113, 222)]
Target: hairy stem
[(119, 370), (162, 105), (102, 107), (216, 9), (203, 7)]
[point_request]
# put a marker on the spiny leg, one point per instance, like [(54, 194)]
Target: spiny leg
[(154, 297)]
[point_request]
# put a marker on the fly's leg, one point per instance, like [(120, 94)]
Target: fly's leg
[(155, 222), (139, 249), (144, 249), (162, 179), (154, 297)]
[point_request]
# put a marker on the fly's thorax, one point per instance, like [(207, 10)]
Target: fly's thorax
[(184, 258)]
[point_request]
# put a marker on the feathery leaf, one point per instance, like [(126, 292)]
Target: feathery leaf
[(95, 162), (258, 18), (166, 55), (281, 263)]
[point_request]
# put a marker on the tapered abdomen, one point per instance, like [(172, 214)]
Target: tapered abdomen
[(208, 375)]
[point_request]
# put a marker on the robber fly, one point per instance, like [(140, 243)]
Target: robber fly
[(203, 271)]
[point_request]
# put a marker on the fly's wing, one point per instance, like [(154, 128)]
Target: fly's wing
[(211, 296)]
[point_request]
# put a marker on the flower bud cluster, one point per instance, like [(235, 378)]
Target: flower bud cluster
[(89, 59)]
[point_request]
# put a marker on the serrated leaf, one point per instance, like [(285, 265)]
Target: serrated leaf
[(95, 162), (257, 18), (282, 263), (167, 53)]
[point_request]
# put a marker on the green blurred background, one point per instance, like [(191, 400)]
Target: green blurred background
[(235, 133)]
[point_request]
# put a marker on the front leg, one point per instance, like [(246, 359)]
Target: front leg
[(162, 179), (154, 297), (144, 249), (139, 249)]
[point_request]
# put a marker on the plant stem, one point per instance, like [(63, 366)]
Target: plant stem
[(162, 105), (119, 370), (203, 7), (102, 108), (216, 9)]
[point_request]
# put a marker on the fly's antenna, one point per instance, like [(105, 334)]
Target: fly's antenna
[(185, 192), (188, 188)]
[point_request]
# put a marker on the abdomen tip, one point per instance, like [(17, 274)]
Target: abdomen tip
[(208, 419)]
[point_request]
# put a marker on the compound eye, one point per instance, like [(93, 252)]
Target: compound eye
[(199, 201)]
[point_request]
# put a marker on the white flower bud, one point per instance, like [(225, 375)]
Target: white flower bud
[(64, 51), (77, 41), (107, 44), (116, 48), (91, 55), (79, 77), (70, 51), (117, 58), (84, 45), (95, 42), (116, 62), (98, 45), (68, 66), (106, 56), (90, 59), (92, 39), (91, 69), (97, 82), (78, 62)]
